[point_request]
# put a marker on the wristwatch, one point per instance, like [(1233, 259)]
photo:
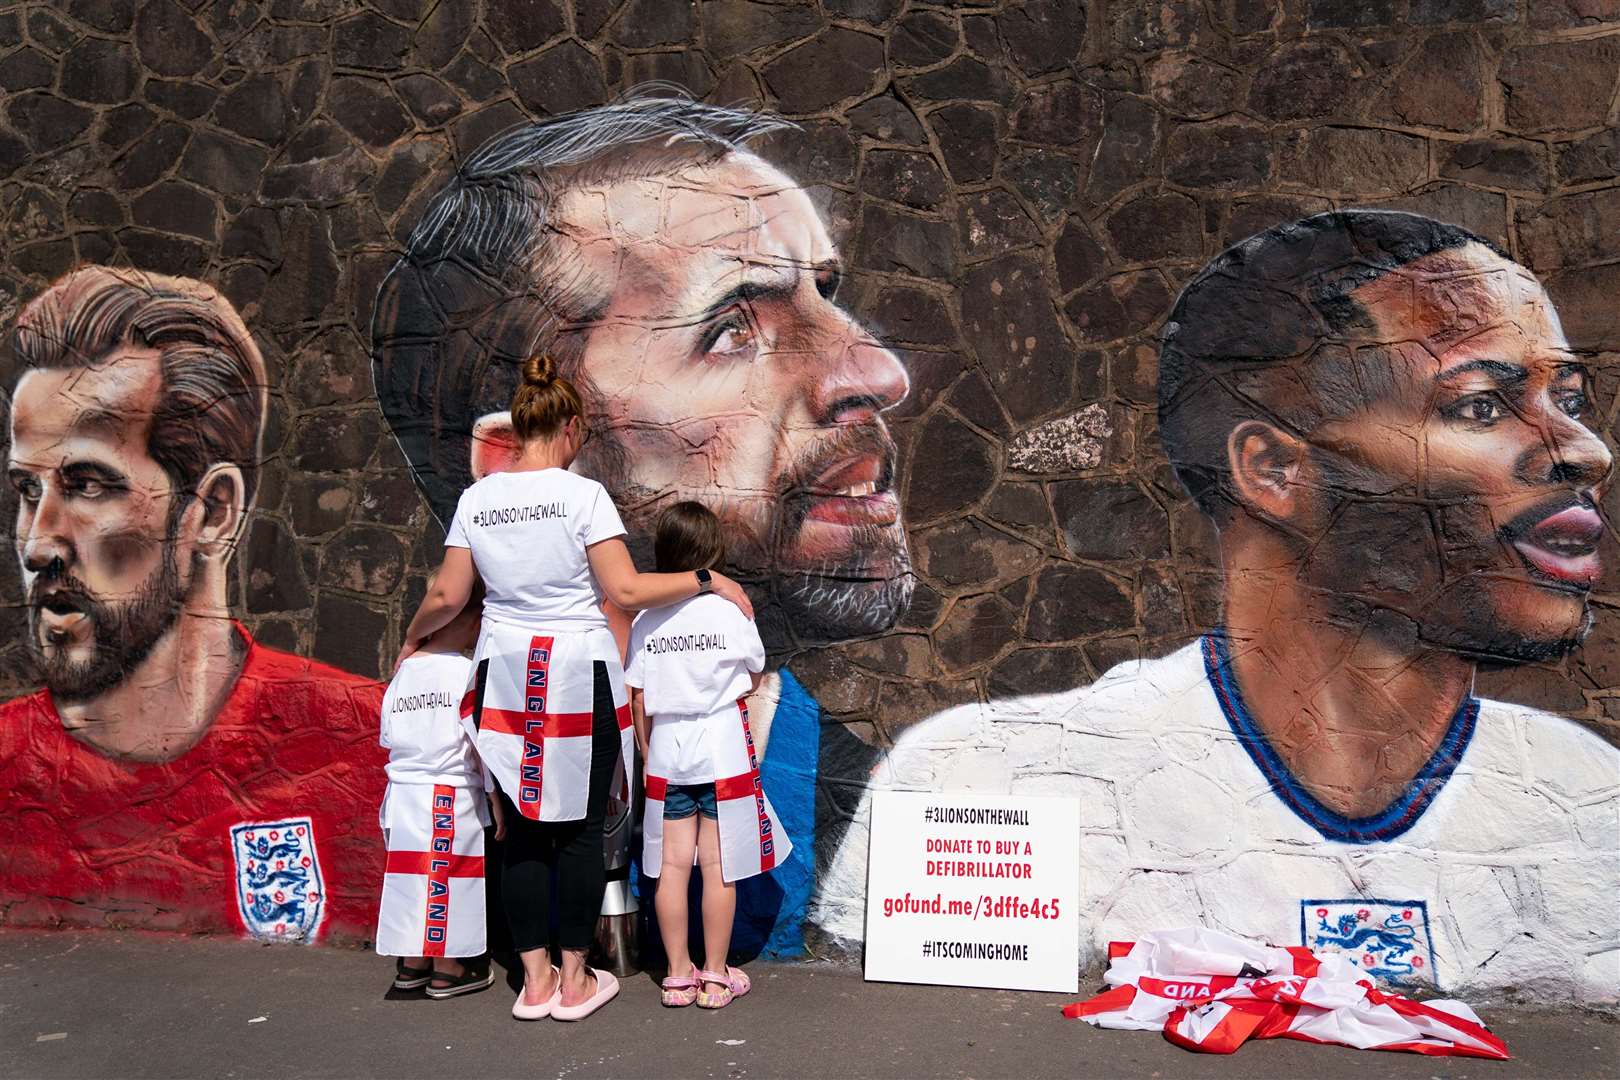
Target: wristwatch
[(705, 582)]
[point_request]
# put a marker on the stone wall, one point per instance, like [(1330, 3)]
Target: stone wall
[(1019, 189), (1062, 168)]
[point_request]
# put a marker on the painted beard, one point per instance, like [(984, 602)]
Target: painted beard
[(864, 588), (122, 633), (1477, 633), (1458, 577), (830, 604), (1555, 541)]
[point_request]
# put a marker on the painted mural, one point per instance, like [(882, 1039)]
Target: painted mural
[(1383, 418), (170, 768), (1202, 409), (690, 287)]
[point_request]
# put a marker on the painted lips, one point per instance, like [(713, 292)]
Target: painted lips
[(62, 615), (1563, 546), (854, 491)]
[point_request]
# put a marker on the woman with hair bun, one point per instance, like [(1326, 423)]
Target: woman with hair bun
[(547, 701)]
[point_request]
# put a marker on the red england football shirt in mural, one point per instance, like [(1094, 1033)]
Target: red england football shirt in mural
[(267, 826)]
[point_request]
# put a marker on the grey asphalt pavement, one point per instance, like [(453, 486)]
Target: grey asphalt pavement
[(127, 1005)]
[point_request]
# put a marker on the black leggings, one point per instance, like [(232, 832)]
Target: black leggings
[(533, 850)]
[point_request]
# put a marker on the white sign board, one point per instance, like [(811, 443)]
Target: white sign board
[(974, 890)]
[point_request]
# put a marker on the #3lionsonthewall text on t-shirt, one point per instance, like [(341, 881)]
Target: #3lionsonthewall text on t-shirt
[(693, 658), (693, 661), (528, 532), (421, 722)]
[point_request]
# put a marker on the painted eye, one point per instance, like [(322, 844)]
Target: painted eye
[(731, 339), (1573, 402), (28, 487), (827, 283), (1478, 409)]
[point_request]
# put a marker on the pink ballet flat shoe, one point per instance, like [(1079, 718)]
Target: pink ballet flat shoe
[(607, 988)]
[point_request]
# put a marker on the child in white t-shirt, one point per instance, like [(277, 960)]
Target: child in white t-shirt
[(433, 816), (692, 666)]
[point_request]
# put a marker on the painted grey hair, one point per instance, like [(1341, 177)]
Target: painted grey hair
[(492, 214), (480, 286)]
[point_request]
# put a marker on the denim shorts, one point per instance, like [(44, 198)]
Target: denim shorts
[(684, 800)]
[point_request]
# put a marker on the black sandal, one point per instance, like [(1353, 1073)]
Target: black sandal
[(470, 981), (409, 978)]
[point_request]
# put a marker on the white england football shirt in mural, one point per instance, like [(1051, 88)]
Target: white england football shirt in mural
[(528, 532), (1499, 866)]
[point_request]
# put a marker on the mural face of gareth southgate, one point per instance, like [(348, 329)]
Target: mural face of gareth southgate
[(690, 288)]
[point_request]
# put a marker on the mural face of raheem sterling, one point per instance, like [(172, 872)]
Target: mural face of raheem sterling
[(1414, 443)]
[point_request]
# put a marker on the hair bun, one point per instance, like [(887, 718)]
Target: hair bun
[(539, 370)]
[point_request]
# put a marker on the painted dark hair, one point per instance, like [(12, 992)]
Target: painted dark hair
[(482, 286), (213, 398), (688, 537), (1260, 308)]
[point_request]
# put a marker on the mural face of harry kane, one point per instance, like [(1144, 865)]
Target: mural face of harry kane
[(691, 289), (135, 426)]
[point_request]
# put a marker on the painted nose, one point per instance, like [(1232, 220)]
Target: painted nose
[(866, 380), (1576, 455), (45, 545)]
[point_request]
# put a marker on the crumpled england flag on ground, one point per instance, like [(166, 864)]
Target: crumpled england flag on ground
[(1212, 992)]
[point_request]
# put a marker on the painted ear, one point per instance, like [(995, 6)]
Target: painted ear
[(220, 508), (494, 445), (1266, 465)]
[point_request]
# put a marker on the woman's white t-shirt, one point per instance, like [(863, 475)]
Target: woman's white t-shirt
[(692, 661), (528, 532)]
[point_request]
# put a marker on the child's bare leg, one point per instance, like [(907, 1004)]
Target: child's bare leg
[(448, 965), (680, 838), (719, 897)]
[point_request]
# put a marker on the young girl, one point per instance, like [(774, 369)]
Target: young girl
[(692, 665), (433, 817)]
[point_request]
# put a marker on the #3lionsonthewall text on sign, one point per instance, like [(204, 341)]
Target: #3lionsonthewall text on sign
[(972, 890)]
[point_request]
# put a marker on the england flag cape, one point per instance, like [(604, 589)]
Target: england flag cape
[(1212, 992), (752, 840), (532, 723), (433, 883)]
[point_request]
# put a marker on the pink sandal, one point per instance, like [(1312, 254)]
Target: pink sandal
[(734, 983), (679, 991)]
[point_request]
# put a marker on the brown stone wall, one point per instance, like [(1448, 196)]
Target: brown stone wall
[(1020, 190)]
